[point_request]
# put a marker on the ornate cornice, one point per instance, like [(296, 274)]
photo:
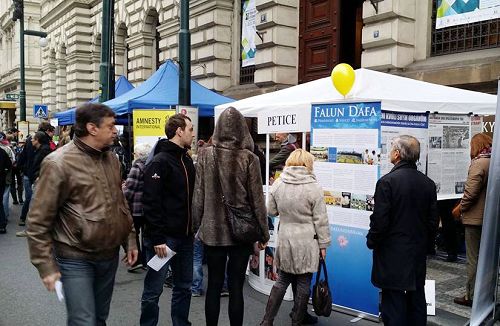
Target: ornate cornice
[(63, 7)]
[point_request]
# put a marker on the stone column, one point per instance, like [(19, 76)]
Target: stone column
[(389, 35), (276, 59), (140, 56), (61, 90)]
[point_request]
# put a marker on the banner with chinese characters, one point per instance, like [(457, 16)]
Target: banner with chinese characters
[(346, 143)]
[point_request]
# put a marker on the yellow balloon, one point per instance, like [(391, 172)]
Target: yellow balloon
[(343, 77)]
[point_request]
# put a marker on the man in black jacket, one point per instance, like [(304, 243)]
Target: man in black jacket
[(5, 165), (404, 217), (26, 164), (168, 192)]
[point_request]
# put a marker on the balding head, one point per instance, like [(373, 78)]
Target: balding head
[(408, 148)]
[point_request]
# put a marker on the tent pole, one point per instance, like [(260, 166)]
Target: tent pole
[(304, 140), (130, 145)]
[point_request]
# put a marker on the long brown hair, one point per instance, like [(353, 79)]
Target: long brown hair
[(478, 143)]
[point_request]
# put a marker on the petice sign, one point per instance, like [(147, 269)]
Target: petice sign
[(283, 120)]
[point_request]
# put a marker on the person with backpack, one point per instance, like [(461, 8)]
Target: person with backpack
[(133, 190)]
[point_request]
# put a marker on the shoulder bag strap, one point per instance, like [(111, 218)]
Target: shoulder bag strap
[(217, 175), (318, 275)]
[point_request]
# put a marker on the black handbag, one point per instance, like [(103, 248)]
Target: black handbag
[(321, 296), (242, 221)]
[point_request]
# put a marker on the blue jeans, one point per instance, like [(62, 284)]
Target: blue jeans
[(197, 286), (28, 190), (6, 197), (88, 287), (182, 270)]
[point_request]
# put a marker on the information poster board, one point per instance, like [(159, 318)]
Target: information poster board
[(460, 12), (149, 125), (192, 113), (449, 153), (395, 124), (346, 142)]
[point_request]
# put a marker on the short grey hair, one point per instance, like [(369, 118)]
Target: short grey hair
[(408, 147), (142, 150)]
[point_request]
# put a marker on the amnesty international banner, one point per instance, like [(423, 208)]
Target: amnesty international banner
[(459, 12), (248, 32), (346, 143), (149, 125), (395, 124), (449, 153)]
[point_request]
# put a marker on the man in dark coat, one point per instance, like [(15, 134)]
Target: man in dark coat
[(166, 200), (404, 216)]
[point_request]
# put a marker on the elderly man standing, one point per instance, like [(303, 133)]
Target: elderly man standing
[(79, 218), (404, 216)]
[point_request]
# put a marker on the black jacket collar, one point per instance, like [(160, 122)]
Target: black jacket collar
[(170, 147), (404, 165)]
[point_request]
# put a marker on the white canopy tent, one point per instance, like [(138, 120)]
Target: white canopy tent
[(396, 93)]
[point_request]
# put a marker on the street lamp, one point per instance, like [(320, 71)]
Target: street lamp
[(19, 14)]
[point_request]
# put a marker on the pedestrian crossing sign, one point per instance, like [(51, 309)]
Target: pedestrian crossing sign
[(40, 111)]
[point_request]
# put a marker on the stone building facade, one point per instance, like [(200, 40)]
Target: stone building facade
[(298, 40), (10, 54)]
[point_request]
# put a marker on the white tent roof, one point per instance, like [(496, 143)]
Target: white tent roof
[(396, 93)]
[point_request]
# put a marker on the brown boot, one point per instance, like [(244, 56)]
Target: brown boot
[(273, 305)]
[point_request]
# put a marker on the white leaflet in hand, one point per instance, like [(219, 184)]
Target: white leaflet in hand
[(157, 263), (59, 291)]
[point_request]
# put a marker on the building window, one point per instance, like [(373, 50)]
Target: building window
[(463, 38)]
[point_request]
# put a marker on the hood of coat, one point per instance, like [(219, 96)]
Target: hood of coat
[(297, 175), (231, 131), (291, 139)]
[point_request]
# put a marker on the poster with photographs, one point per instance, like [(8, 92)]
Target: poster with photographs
[(345, 141), (395, 124), (449, 153)]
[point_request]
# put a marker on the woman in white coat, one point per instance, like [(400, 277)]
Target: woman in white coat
[(303, 234)]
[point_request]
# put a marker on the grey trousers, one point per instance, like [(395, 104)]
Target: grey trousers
[(278, 292), (472, 241)]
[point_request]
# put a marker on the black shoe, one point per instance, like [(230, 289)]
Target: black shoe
[(22, 223), (308, 319), (21, 202), (3, 230), (15, 202), (451, 258)]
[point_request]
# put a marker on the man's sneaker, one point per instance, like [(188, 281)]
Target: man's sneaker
[(21, 202), (224, 293), (21, 234), (196, 294), (22, 223), (15, 202), (3, 230)]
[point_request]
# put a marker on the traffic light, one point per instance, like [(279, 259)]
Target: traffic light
[(18, 10)]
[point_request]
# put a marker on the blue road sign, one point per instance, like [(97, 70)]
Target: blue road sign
[(40, 111)]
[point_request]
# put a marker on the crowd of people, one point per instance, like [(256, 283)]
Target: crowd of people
[(165, 203)]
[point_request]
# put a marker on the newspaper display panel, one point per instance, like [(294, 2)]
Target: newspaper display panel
[(449, 154), (346, 145), (395, 124)]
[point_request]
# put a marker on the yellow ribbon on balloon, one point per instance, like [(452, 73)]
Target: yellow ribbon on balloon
[(343, 77)]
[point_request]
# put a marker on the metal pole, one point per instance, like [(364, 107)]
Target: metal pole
[(185, 56), (105, 65), (22, 87)]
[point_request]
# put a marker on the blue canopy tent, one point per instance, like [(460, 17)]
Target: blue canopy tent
[(161, 91), (67, 117)]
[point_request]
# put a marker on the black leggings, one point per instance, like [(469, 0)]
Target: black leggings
[(217, 257)]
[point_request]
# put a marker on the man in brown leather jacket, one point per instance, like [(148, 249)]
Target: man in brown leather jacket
[(79, 218)]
